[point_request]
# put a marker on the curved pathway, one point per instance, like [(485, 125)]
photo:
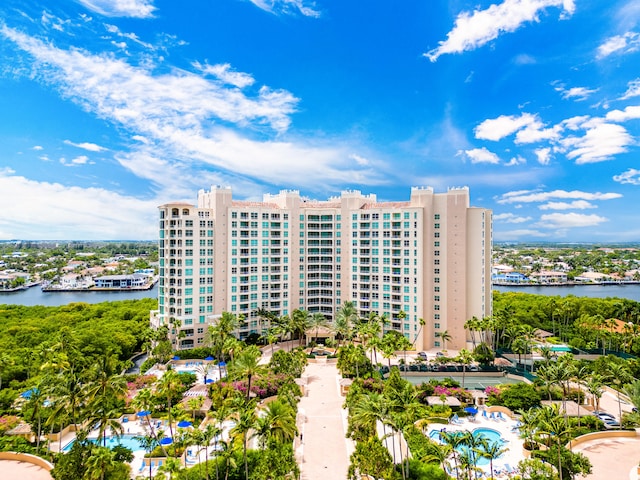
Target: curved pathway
[(322, 449), (16, 470), (612, 458)]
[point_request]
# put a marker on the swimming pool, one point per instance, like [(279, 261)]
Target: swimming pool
[(128, 441), (489, 434)]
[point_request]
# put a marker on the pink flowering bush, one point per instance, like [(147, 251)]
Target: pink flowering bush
[(263, 387), (7, 422)]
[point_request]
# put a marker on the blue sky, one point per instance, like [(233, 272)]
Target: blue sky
[(109, 108)]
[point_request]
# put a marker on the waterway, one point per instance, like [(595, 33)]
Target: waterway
[(629, 291), (35, 296)]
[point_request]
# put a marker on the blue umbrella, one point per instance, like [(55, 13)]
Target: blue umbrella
[(209, 358), (143, 413), (222, 364), (471, 410), (166, 441), (208, 381), (184, 424), (176, 358)]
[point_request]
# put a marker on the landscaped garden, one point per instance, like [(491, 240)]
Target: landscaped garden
[(64, 395)]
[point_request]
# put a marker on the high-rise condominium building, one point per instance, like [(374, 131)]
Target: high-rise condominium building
[(423, 259)]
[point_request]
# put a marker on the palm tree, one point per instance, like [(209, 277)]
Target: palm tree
[(148, 443), (226, 453), (171, 466), (281, 419), (554, 427), (454, 440), (168, 386), (445, 336), (5, 361), (473, 325), (195, 403), (316, 322), (345, 319), (368, 411), (247, 365), (619, 375), (100, 459), (209, 434), (465, 358), (594, 386), (437, 453), (246, 419), (300, 323), (105, 418), (491, 451)]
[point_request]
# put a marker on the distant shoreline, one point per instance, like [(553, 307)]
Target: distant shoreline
[(564, 284)]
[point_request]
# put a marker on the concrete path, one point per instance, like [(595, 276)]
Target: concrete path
[(323, 452)]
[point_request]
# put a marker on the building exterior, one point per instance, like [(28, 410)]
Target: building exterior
[(426, 258)]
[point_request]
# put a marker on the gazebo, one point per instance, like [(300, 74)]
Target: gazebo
[(321, 334), (448, 401)]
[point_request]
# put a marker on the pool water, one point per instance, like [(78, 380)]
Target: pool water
[(488, 433), (128, 441)]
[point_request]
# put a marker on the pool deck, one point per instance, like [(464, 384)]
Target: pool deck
[(512, 439)]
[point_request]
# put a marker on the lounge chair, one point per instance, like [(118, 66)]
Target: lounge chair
[(484, 413), (492, 416), (500, 416)]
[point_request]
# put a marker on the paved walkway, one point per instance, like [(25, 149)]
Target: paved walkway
[(324, 451)]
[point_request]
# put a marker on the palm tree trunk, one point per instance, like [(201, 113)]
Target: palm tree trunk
[(244, 456)]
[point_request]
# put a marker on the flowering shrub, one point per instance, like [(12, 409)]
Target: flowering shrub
[(263, 386), (7, 422)]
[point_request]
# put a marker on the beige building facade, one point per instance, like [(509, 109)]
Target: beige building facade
[(426, 258)]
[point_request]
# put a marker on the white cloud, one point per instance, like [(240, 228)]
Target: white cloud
[(535, 132), (360, 160), (576, 204), (516, 161), (621, 44), (497, 128), (481, 155), (543, 155), (524, 59), (288, 7), (510, 218), (474, 29), (570, 220), (37, 147), (529, 196), (633, 89), (631, 176), (579, 93), (121, 8), (92, 147), (131, 36), (629, 113), (187, 121), (600, 142), (575, 123), (70, 209), (225, 74), (518, 234)]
